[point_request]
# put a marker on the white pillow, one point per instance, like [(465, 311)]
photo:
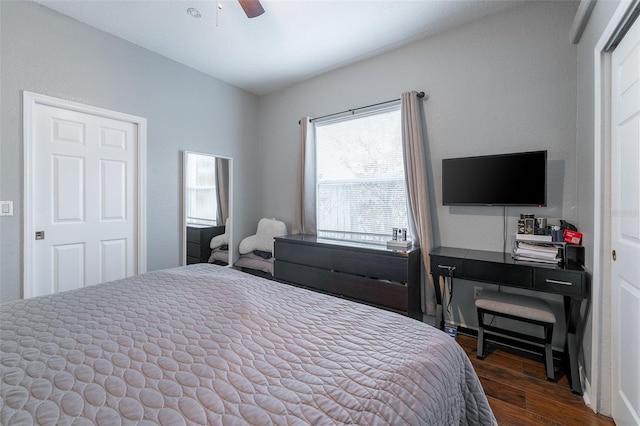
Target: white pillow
[(219, 240), (263, 239), (248, 244), (222, 239)]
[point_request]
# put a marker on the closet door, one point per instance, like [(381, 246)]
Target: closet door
[(83, 199)]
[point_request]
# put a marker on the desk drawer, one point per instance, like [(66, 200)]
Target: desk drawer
[(439, 264), (560, 282), (499, 273)]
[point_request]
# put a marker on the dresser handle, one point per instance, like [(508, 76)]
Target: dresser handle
[(558, 282)]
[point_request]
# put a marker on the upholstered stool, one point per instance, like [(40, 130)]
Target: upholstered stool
[(521, 308)]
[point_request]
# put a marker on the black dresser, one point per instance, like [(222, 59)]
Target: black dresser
[(198, 242), (389, 279)]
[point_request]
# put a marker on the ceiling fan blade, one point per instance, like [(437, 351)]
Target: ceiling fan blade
[(252, 8)]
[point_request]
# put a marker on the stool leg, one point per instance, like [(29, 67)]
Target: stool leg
[(480, 353), (548, 352)]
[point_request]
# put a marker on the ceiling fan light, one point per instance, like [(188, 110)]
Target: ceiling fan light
[(252, 8), (194, 13)]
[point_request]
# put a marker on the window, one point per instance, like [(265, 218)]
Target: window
[(361, 192), (201, 188)]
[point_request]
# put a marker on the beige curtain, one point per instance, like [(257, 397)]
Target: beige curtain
[(304, 221), (415, 169), (222, 189)]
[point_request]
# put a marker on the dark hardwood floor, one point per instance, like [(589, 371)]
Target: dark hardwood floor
[(520, 394)]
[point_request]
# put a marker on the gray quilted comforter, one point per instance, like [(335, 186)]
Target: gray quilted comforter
[(204, 344)]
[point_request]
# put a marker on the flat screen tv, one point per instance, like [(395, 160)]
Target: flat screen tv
[(516, 179)]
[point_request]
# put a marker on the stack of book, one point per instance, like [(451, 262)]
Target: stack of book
[(399, 245), (531, 237), (537, 252)]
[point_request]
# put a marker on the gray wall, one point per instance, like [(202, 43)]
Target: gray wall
[(48, 53), (600, 16), (505, 83)]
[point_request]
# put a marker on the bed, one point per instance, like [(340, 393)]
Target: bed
[(205, 344)]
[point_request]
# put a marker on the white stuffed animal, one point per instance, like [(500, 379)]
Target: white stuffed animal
[(263, 238)]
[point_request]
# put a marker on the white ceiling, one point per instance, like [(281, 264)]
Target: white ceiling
[(291, 42)]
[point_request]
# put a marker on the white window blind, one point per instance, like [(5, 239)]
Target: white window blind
[(201, 187), (361, 192)]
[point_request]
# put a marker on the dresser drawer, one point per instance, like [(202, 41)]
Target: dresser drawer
[(193, 249), (561, 282), (300, 274), (302, 254), (193, 234), (369, 265), (368, 290)]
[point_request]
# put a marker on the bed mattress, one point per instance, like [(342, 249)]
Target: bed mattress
[(204, 344)]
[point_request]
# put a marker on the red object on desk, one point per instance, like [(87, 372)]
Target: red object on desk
[(572, 237)]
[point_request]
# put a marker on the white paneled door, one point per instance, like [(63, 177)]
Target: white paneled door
[(82, 192), (625, 223)]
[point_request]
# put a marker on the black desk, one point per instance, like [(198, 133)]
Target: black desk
[(570, 281)]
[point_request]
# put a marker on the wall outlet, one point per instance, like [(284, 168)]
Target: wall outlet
[(6, 208), (476, 292)]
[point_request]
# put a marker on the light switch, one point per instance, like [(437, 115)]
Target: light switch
[(7, 208)]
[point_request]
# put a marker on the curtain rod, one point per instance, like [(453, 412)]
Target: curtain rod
[(419, 94)]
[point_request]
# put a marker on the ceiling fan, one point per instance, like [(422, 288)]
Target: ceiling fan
[(252, 8)]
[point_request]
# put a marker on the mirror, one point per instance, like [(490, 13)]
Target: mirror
[(207, 209)]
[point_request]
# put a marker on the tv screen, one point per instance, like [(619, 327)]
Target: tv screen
[(517, 179)]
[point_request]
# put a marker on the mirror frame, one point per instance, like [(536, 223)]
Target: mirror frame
[(185, 153)]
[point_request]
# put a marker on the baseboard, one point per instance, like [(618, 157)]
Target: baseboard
[(586, 390)]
